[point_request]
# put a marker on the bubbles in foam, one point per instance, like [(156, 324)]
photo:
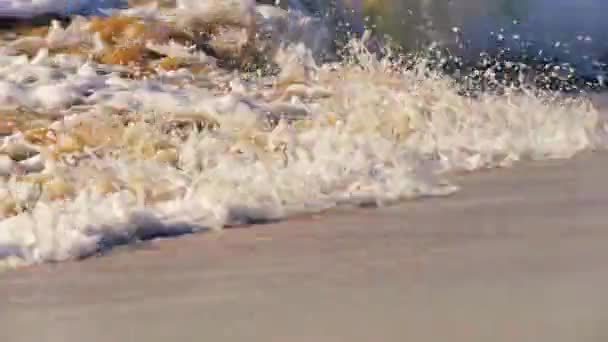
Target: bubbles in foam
[(200, 147)]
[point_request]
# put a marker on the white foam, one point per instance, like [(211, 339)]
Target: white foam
[(380, 136)]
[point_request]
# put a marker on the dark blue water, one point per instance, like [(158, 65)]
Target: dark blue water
[(570, 36)]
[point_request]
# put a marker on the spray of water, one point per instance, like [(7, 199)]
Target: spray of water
[(108, 147)]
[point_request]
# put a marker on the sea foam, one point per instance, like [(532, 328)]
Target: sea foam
[(114, 164)]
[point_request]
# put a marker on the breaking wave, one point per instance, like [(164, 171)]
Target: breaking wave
[(158, 121)]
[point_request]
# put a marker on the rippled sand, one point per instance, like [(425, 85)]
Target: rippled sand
[(156, 121)]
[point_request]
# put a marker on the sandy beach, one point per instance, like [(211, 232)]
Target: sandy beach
[(518, 255)]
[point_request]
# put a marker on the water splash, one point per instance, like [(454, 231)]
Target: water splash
[(172, 142)]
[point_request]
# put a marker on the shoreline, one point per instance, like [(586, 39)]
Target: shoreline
[(519, 253)]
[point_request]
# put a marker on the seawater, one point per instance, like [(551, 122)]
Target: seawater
[(97, 153)]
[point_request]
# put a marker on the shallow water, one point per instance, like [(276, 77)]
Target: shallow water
[(141, 134)]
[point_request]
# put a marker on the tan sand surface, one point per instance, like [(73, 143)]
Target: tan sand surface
[(518, 255)]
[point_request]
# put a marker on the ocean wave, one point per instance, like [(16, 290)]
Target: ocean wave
[(114, 140)]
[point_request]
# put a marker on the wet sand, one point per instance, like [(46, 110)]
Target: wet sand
[(518, 255)]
